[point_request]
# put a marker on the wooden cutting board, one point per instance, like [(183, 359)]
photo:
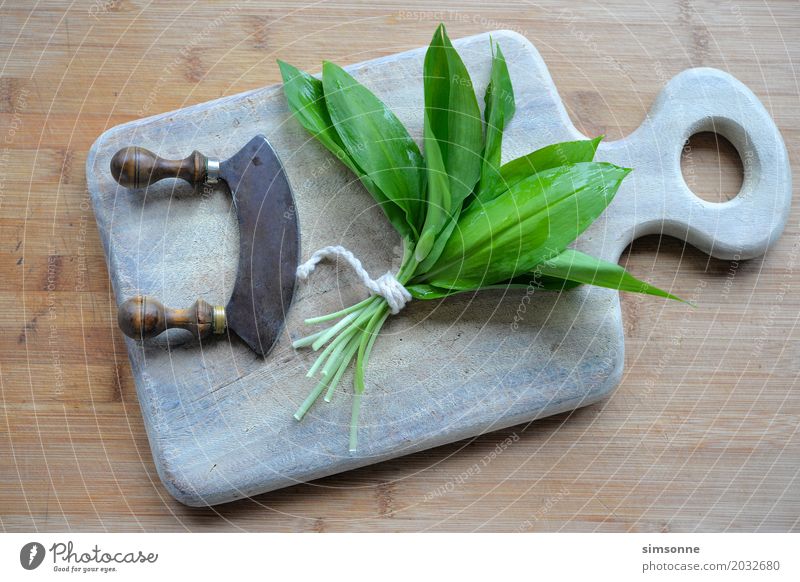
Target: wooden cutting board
[(219, 418)]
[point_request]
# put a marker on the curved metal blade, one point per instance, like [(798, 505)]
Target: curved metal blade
[(269, 244)]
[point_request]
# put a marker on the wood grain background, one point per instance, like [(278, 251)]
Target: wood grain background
[(701, 435)]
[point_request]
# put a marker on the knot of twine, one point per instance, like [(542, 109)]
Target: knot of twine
[(387, 285)]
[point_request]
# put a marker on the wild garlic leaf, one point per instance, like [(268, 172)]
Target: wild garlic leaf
[(542, 159), (498, 111), (546, 283), (423, 291), (455, 118), (552, 156), (452, 118), (438, 245), (532, 221), (438, 198), (582, 268), (536, 280), (530, 281), (306, 99), (376, 140)]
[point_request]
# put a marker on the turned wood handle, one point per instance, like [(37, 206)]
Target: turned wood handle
[(144, 317), (135, 167)]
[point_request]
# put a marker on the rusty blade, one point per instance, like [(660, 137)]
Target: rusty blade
[(268, 244)]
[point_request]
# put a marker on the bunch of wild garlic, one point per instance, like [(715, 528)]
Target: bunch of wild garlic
[(466, 221)]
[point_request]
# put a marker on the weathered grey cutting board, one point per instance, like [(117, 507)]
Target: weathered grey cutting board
[(219, 419)]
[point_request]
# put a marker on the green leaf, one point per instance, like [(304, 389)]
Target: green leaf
[(438, 198), (552, 156), (452, 119), (455, 118), (532, 221), (306, 99), (427, 292), (498, 111), (439, 243), (538, 281), (582, 268), (376, 140), (550, 283)]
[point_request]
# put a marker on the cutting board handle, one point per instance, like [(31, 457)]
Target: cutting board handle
[(656, 198), (135, 167), (143, 317)]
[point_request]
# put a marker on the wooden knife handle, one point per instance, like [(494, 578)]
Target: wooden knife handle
[(135, 167), (144, 317)]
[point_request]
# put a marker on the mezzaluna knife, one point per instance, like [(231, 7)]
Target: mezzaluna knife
[(269, 245)]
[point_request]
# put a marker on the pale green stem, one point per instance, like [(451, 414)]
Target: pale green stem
[(330, 383), (353, 328), (331, 349), (370, 332), (340, 313), (334, 361), (304, 342), (345, 363), (364, 349), (354, 422), (333, 330), (309, 401)]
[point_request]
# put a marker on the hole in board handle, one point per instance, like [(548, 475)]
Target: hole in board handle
[(712, 167)]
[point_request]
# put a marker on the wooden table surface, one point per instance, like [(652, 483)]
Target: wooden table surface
[(701, 435)]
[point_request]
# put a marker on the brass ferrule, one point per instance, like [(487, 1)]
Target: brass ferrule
[(218, 322), (212, 170)]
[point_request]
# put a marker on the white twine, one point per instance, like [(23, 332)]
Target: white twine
[(387, 285)]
